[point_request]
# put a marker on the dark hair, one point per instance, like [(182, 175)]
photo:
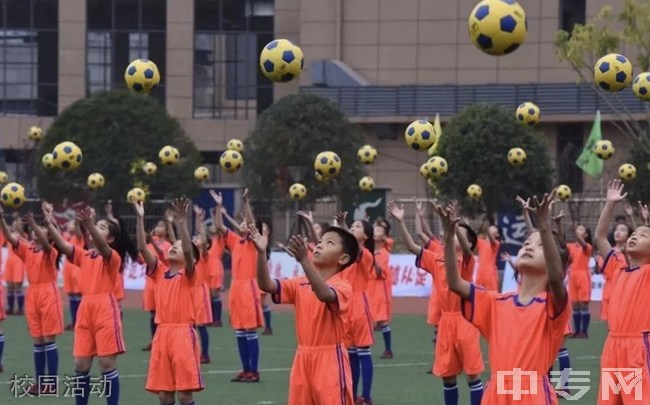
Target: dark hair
[(620, 218), (259, 225), (349, 243), (369, 231), (386, 225), (196, 253), (588, 237), (122, 242), (470, 235)]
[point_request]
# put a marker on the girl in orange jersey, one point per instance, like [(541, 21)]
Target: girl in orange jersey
[(580, 280), (380, 288), (532, 320), (215, 281), (74, 236), (14, 274), (621, 234), (487, 247), (201, 292)]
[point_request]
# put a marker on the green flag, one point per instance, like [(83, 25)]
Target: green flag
[(588, 161)]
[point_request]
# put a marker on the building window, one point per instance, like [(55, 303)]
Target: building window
[(569, 146), (572, 12), (29, 57), (228, 37), (120, 31)]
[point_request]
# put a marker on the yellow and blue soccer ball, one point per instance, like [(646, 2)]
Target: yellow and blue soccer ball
[(297, 191), (35, 133), (48, 161), (563, 192), (231, 161), (627, 171), (236, 145), (13, 195), (425, 170), (437, 167), (149, 168), (327, 164), (281, 60), (67, 156), (613, 72), (3, 177), (420, 135), (516, 156), (136, 194), (528, 113), (367, 154), (474, 191), (169, 155), (367, 184), (641, 86), (202, 173), (95, 181), (142, 76), (498, 27), (604, 149)]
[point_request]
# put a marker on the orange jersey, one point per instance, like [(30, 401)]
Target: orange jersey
[(202, 269), (389, 244), (359, 272), (244, 257), (216, 255), (97, 275), (317, 323), (380, 289), (39, 265), (579, 257), (382, 259), (435, 246), (435, 265), (487, 253), (174, 303), (14, 268)]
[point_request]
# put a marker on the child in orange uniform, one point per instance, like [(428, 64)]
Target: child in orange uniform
[(626, 346), (534, 319), (14, 274), (320, 373), (98, 332), (74, 236), (621, 234), (215, 282), (201, 292), (380, 289), (458, 346), (488, 251), (580, 280)]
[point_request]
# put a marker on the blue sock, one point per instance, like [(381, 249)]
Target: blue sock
[(2, 345), (355, 367), (577, 320), (205, 340), (74, 308), (253, 350), (52, 358), (81, 386), (386, 331), (39, 361), (365, 360), (451, 393), (71, 303), (11, 300), (242, 345), (565, 366), (111, 380), (586, 318), (216, 315), (267, 316), (152, 324), (475, 392), (21, 300)]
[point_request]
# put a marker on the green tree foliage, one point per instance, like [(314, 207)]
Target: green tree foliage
[(290, 134), (114, 130), (476, 143)]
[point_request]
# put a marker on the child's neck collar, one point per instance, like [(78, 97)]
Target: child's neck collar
[(532, 284), (638, 262)]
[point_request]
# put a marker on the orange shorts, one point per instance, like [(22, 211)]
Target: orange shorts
[(245, 306), (148, 296), (43, 310), (174, 364), (630, 352), (359, 328), (215, 279), (119, 287), (70, 274), (544, 394), (604, 308), (380, 294), (580, 286), (14, 270), (488, 278), (458, 347), (3, 299), (320, 375), (98, 330), (202, 304), (433, 313)]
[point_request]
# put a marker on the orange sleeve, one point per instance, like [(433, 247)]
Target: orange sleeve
[(77, 255), (52, 256), (467, 268), (158, 271), (343, 291), (389, 244), (478, 308), (231, 239), (559, 316), (367, 261), (382, 259), (285, 292), (192, 281), (114, 262), (427, 261), (21, 250), (614, 263)]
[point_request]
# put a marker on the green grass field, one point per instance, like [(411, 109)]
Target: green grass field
[(398, 381)]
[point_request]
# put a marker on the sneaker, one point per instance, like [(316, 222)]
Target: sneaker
[(429, 371), (365, 401), (1, 368), (205, 359), (386, 355), (33, 390), (267, 331), (357, 401), (147, 348), (239, 377), (69, 328), (251, 377)]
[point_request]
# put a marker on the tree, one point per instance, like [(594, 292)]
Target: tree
[(475, 145), (285, 141), (115, 130)]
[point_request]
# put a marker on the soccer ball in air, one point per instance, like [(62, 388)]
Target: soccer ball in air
[(425, 170), (420, 135), (498, 27), (231, 161), (641, 86), (281, 60), (563, 192), (67, 156), (604, 149), (236, 145), (47, 161), (327, 164), (297, 191), (149, 168), (613, 72), (3, 177), (95, 181), (528, 113), (35, 133), (136, 195), (201, 173), (437, 167), (141, 76), (320, 177), (367, 154), (474, 191), (367, 184), (627, 171), (516, 156), (13, 195), (169, 155)]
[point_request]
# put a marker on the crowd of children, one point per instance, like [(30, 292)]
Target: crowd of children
[(345, 293)]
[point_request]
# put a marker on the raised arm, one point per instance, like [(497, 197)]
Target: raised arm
[(398, 213), (200, 228), (615, 194), (298, 247), (449, 222), (341, 220), (6, 231), (425, 224), (64, 246), (308, 217), (180, 207), (644, 212), (629, 213), (87, 217), (218, 215), (248, 211), (169, 223), (560, 225), (264, 280), (525, 204), (463, 242), (419, 214), (40, 236), (141, 237)]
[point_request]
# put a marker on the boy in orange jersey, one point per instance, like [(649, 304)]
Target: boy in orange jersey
[(458, 347), (215, 281), (245, 306), (14, 274), (75, 236), (380, 290), (320, 373), (580, 280), (44, 313), (487, 248), (201, 292), (535, 317), (174, 364), (628, 339)]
